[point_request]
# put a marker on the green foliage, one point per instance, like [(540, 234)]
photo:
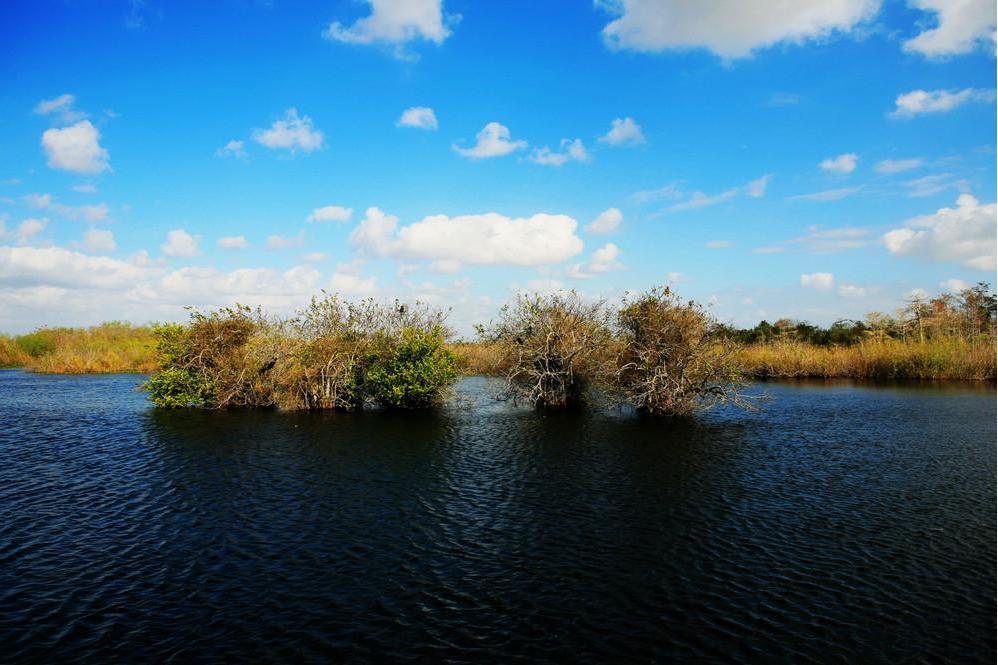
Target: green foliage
[(37, 344), (176, 387), (410, 372)]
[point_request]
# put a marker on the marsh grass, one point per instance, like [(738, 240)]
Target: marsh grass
[(937, 358), (109, 347)]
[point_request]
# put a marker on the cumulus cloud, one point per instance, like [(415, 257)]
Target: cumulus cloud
[(845, 163), (75, 148), (822, 281), (233, 148), (965, 234), (623, 132), (486, 239), (89, 213), (395, 23), (315, 257), (892, 166), (420, 117), (954, 285), (729, 28), (607, 221), (852, 291), (921, 102), (757, 188), (292, 133), (604, 259), (569, 151), (180, 243), (962, 26), (28, 229), (99, 240), (351, 284), (232, 242), (330, 214), (493, 141)]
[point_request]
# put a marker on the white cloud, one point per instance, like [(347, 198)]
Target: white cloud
[(718, 244), (934, 184), (330, 214), (917, 294), (757, 188), (623, 132), (954, 285), (232, 242), (729, 28), (85, 188), (492, 141), (315, 257), (826, 195), (420, 117), (569, 150), (920, 102), (607, 221), (180, 243), (965, 234), (852, 291), (28, 229), (233, 148), (278, 241), (63, 106), (292, 133), (350, 284), (395, 22), (486, 239), (91, 213), (604, 259), (99, 240), (818, 280), (669, 191), (963, 25), (753, 189), (75, 148), (892, 166), (845, 163)]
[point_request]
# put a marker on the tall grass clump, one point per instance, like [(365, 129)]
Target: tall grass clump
[(332, 355)]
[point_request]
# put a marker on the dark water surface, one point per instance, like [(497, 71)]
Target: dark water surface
[(841, 524)]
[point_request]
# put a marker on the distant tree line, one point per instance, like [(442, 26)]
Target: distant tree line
[(968, 315)]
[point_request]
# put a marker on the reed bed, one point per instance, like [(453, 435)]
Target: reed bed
[(109, 347), (938, 358)]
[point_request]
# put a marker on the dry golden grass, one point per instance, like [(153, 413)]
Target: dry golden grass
[(12, 355), (109, 347), (942, 358), (118, 347), (477, 358)]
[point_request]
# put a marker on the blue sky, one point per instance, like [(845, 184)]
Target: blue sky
[(814, 160)]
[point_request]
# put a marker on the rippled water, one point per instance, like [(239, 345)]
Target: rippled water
[(840, 524)]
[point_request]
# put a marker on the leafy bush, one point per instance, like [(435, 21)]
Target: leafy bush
[(410, 372), (38, 343), (331, 355), (176, 387)]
